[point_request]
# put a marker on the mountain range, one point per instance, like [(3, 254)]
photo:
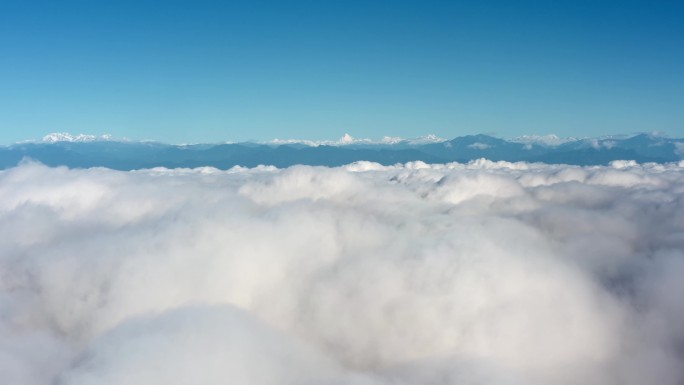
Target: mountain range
[(90, 151)]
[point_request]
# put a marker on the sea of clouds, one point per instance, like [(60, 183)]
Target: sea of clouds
[(485, 273)]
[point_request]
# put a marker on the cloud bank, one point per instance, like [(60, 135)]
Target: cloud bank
[(479, 273)]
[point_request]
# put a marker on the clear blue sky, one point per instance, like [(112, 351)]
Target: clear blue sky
[(198, 71)]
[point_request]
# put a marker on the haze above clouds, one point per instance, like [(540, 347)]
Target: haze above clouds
[(479, 273)]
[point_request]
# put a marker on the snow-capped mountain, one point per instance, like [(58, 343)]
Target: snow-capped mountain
[(103, 151), (67, 137)]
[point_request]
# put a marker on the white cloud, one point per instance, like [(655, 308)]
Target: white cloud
[(598, 143), (479, 273), (679, 148), (479, 146)]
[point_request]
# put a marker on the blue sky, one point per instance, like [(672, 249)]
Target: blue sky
[(200, 71)]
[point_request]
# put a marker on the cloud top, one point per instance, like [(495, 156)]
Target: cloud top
[(478, 273)]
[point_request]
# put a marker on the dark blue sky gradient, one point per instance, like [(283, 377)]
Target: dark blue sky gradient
[(197, 71)]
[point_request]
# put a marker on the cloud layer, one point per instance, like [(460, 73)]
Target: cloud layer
[(485, 273)]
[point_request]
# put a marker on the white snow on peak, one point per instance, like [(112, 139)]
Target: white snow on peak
[(550, 140), (67, 137), (391, 139), (348, 139), (431, 138), (311, 143)]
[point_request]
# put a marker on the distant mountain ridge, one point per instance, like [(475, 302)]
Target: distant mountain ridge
[(82, 151)]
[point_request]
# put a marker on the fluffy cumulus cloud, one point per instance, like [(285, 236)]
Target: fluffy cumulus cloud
[(480, 273)]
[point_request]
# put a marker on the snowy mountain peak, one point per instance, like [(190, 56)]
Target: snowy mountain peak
[(550, 140), (67, 137), (347, 139)]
